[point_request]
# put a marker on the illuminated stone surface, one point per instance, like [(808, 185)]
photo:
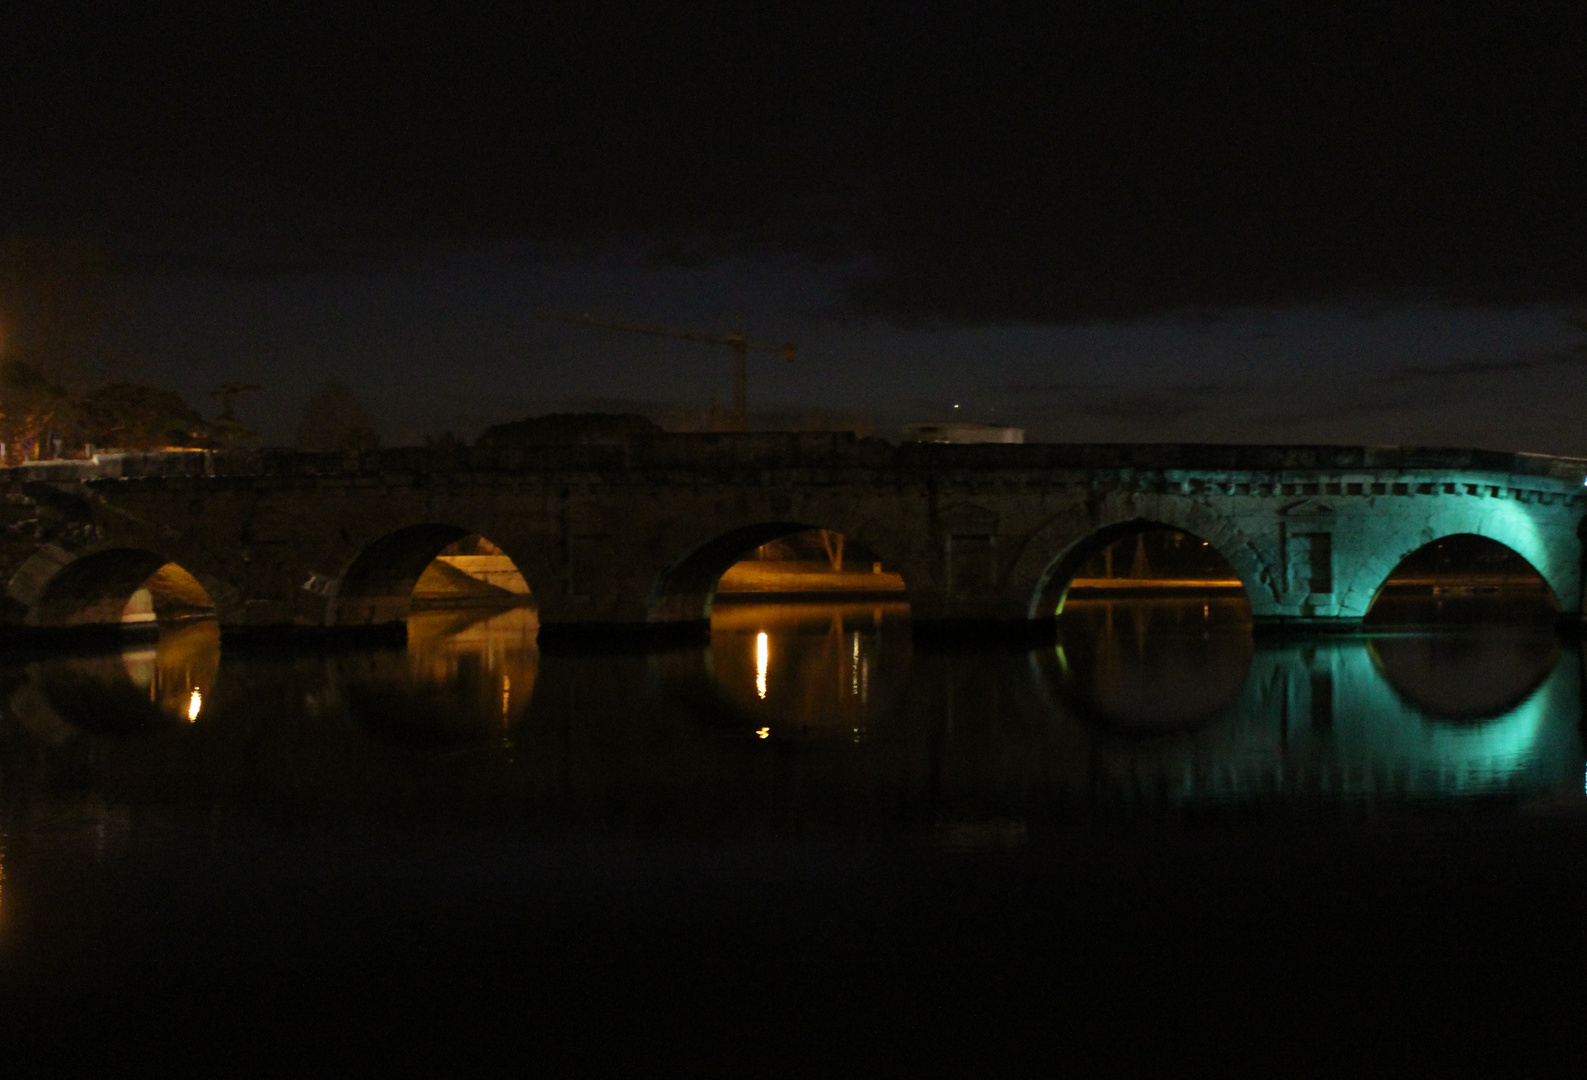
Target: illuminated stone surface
[(639, 532)]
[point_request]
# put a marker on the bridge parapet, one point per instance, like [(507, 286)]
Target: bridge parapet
[(715, 453)]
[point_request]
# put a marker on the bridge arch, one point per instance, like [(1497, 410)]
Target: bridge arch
[(1483, 562), (113, 586), (1532, 533), (1052, 586), (379, 585), (686, 589)]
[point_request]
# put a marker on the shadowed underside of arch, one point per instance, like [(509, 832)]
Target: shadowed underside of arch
[(686, 592), (379, 586), (95, 590), (1464, 571), (687, 589), (1056, 582)]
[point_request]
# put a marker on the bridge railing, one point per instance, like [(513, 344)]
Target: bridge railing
[(715, 452)]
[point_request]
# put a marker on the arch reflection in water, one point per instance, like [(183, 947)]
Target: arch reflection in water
[(146, 683), (1407, 717), (464, 674), (1150, 666), (1340, 721), (801, 670), (1467, 676)]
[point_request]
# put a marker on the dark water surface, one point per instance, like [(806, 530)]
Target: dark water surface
[(814, 846)]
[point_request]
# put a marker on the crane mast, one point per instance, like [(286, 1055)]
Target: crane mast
[(737, 343)]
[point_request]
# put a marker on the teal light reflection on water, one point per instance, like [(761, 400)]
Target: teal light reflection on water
[(1483, 712), (799, 712)]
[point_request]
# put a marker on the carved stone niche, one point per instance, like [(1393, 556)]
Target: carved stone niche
[(969, 548), (1305, 541)]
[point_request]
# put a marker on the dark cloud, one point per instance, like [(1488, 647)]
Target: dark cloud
[(1059, 388), (1348, 409), (1151, 409), (1192, 390), (1096, 160), (1441, 372)]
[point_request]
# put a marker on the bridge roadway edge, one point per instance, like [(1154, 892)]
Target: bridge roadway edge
[(603, 532)]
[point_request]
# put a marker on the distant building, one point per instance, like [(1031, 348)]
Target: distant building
[(961, 431)]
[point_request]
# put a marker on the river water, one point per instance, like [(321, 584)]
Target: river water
[(813, 846)]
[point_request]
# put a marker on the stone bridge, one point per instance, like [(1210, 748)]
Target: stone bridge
[(635, 534)]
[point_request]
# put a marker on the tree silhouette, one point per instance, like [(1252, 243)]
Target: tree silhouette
[(333, 420), (127, 416), (30, 406)]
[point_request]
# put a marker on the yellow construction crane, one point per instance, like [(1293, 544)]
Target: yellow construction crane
[(740, 345)]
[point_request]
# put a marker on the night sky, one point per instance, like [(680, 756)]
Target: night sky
[(1142, 221)]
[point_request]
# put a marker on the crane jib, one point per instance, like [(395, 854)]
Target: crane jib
[(740, 346)]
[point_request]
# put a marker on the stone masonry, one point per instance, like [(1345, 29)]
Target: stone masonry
[(636, 533)]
